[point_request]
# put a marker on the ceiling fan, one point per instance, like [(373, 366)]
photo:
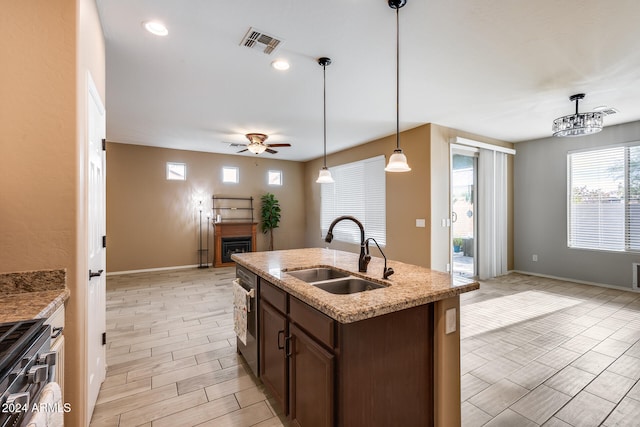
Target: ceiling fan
[(256, 144)]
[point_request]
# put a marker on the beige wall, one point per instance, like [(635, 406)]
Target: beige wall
[(421, 193), (153, 223), (440, 208), (37, 135), (50, 46), (408, 197)]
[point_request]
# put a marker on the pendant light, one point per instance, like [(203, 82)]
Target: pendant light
[(579, 123), (397, 161), (324, 177)]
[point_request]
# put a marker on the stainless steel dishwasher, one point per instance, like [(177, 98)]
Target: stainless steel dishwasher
[(249, 281)]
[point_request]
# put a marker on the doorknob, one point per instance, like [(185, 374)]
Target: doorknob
[(96, 274)]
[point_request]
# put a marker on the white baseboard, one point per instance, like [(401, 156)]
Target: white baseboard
[(582, 282), (148, 270)]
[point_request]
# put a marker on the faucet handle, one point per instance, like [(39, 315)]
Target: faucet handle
[(388, 272)]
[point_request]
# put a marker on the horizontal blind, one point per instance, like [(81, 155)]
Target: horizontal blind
[(597, 212), (359, 191)]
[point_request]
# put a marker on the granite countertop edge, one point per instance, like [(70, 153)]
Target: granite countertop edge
[(32, 305), (32, 294), (412, 285)]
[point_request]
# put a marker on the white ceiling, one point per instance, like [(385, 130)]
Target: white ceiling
[(498, 68)]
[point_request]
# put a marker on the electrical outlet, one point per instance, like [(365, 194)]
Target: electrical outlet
[(450, 321), (534, 258)]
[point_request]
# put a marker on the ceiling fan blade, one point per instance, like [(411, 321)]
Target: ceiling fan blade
[(235, 144), (242, 151), (269, 150), (278, 145)]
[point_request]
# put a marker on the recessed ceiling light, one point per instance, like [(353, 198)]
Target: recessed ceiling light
[(155, 27), (280, 64)]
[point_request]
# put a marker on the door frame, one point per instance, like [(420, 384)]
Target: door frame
[(464, 150)]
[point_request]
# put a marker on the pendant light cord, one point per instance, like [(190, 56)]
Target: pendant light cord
[(398, 78), (324, 113)]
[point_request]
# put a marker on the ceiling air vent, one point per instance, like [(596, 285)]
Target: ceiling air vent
[(606, 111), (256, 39)]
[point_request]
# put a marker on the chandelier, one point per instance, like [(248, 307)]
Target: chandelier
[(579, 123)]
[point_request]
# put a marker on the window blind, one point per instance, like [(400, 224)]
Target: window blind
[(604, 199), (359, 191)]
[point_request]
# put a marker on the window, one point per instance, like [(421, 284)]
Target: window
[(275, 178), (176, 171), (359, 191), (604, 199), (230, 174)]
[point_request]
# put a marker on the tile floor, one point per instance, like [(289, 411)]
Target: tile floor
[(535, 352), (543, 352)]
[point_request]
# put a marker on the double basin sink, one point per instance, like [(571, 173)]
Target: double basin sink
[(334, 281)]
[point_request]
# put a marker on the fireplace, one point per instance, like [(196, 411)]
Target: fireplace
[(232, 238), (234, 245)]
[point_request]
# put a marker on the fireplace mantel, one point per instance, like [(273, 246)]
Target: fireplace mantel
[(222, 230)]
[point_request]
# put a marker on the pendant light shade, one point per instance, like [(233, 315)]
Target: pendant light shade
[(578, 124), (324, 177), (397, 161)]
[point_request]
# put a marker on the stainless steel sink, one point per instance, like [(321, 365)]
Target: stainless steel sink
[(311, 275), (350, 285)]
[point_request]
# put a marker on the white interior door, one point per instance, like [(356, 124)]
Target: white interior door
[(96, 298)]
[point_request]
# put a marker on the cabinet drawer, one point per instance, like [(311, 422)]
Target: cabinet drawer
[(317, 324), (275, 296)]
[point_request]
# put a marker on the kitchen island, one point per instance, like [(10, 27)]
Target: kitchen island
[(378, 357)]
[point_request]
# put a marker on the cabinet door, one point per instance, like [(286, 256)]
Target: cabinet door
[(311, 388), (273, 360)]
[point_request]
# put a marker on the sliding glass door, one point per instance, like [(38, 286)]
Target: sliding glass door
[(464, 178)]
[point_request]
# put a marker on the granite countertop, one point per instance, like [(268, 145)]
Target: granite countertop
[(410, 286), (31, 294)]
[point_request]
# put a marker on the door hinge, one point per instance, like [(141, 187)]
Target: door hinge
[(104, 144), (104, 241), (104, 338)]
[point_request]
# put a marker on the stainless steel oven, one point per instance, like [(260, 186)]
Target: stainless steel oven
[(26, 366), (249, 351)]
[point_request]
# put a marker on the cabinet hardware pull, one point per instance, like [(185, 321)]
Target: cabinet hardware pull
[(96, 274), (281, 347), (287, 344), (56, 332)]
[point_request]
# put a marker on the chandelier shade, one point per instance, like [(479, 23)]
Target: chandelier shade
[(578, 124)]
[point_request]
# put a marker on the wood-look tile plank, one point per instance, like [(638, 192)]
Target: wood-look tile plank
[(163, 408), (199, 414)]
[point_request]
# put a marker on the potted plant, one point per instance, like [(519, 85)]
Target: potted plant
[(270, 213), (457, 244)]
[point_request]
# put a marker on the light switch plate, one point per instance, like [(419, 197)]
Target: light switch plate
[(450, 321), (420, 222)]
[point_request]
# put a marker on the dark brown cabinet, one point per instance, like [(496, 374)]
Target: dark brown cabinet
[(273, 360), (311, 381), (374, 372)]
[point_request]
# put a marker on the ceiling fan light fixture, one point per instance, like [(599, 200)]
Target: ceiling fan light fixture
[(256, 147), (578, 124), (397, 161)]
